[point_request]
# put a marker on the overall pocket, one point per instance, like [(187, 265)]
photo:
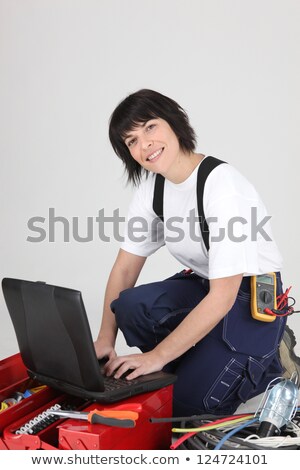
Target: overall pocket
[(223, 392), (243, 334), (234, 385)]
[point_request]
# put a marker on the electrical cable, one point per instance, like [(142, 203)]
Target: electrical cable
[(284, 309), (234, 431), (231, 444), (229, 434), (173, 419), (206, 427), (216, 424), (211, 425)]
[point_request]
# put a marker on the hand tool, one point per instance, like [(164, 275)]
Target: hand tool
[(116, 418)]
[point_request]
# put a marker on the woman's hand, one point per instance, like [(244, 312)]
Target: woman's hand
[(104, 349), (141, 364)]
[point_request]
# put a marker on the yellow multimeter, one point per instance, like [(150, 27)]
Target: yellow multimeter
[(263, 295)]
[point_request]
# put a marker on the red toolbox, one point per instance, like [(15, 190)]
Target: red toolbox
[(80, 435), (14, 379), (25, 425)]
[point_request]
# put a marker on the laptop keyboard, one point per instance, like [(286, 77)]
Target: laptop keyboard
[(110, 383)]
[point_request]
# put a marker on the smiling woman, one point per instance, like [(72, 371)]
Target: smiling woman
[(197, 323), (142, 119), (155, 146)]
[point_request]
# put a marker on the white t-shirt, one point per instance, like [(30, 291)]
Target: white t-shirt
[(240, 235)]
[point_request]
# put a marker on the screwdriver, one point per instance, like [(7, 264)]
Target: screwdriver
[(116, 418)]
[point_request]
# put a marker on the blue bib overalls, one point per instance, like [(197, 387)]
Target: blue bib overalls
[(234, 362)]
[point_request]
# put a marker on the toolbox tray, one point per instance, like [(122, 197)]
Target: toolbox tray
[(46, 438), (14, 378), (13, 373)]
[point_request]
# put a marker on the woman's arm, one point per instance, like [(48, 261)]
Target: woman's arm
[(124, 274), (198, 323)]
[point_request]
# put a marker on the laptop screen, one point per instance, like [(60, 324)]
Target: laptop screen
[(53, 332)]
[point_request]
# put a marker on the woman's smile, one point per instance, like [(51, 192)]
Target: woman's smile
[(153, 157)]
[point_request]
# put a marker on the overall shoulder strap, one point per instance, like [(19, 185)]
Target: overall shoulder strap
[(208, 164), (158, 196)]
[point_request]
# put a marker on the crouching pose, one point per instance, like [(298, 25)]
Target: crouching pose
[(197, 323)]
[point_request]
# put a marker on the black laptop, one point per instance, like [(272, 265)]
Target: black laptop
[(56, 344)]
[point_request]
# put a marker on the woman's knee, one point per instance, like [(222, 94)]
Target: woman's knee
[(126, 307), (142, 301)]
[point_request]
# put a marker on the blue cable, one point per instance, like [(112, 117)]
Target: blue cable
[(234, 431)]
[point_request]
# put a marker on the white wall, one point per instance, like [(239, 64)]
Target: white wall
[(65, 64)]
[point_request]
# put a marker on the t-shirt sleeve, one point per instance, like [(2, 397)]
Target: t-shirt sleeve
[(239, 226), (144, 231), (231, 249)]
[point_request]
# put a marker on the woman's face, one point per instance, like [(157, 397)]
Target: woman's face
[(154, 145)]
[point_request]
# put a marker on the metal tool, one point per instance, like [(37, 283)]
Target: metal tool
[(116, 418)]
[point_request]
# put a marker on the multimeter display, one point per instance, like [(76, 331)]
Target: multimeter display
[(265, 279)]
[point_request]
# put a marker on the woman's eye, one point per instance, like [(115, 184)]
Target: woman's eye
[(150, 127), (131, 142)]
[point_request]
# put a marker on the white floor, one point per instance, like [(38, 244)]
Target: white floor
[(250, 406)]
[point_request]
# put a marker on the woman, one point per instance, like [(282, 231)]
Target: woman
[(197, 323)]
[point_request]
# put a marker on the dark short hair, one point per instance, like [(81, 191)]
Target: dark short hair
[(138, 108)]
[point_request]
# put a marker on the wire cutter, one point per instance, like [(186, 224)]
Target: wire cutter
[(110, 417)]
